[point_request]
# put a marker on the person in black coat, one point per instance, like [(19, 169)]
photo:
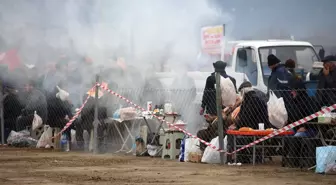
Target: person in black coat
[(12, 109), (327, 82), (278, 82), (253, 109), (59, 112), (85, 121), (32, 100), (209, 94)]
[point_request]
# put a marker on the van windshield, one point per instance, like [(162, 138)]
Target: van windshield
[(304, 56)]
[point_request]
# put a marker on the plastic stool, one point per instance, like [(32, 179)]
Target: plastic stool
[(172, 144)]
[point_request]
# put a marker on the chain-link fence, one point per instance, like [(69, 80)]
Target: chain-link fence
[(257, 127)]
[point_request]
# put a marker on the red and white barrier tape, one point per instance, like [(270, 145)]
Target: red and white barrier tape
[(159, 118), (74, 117), (275, 133), (288, 127)]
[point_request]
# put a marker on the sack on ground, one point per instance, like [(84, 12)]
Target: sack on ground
[(325, 159), (191, 145), (277, 113), (45, 139), (228, 92), (212, 156), (21, 139), (37, 122)]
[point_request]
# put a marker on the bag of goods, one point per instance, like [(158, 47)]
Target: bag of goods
[(21, 139), (62, 94), (277, 113), (37, 122), (212, 156), (128, 113), (228, 92)]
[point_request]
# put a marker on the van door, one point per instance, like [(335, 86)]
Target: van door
[(246, 66)]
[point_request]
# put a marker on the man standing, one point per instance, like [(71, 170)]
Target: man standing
[(327, 82), (209, 94), (32, 100), (279, 79)]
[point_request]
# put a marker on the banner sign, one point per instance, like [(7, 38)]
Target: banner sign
[(212, 38)]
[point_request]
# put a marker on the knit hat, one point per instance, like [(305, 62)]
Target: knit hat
[(329, 58), (290, 64), (220, 66), (244, 85), (272, 60)]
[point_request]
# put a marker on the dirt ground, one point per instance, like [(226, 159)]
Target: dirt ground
[(56, 168)]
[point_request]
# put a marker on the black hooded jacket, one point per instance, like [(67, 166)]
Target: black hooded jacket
[(253, 110), (327, 88), (209, 94)]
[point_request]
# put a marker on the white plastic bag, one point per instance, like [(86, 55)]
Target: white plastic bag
[(37, 122), (21, 139), (212, 156), (45, 139), (325, 157), (191, 145), (277, 113), (62, 94), (228, 92)]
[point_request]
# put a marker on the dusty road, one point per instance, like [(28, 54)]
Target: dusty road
[(54, 168)]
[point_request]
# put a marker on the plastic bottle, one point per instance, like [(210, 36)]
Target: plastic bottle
[(64, 143)]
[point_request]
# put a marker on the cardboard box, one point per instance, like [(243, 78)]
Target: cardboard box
[(194, 157)]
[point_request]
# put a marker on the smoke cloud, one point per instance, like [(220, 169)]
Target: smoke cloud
[(144, 32)]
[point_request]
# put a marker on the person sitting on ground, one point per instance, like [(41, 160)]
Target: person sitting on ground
[(228, 114), (253, 109)]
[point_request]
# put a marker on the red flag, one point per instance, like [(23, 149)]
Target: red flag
[(11, 59)]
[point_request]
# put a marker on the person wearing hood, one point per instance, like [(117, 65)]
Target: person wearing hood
[(253, 109), (209, 94)]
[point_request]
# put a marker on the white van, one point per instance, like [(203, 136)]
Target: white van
[(249, 62)]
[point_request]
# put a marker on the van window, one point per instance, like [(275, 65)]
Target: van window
[(304, 56), (248, 66)]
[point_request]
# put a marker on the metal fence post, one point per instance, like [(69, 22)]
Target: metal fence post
[(219, 115), (2, 115), (96, 120)]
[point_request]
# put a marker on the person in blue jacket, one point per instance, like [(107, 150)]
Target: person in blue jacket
[(279, 81)]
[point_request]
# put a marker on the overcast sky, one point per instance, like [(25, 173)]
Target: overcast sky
[(299, 17)]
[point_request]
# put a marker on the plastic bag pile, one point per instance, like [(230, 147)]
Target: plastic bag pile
[(21, 139)]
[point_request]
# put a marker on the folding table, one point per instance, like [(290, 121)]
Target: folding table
[(255, 135)]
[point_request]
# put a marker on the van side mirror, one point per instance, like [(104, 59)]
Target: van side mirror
[(242, 56), (321, 53)]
